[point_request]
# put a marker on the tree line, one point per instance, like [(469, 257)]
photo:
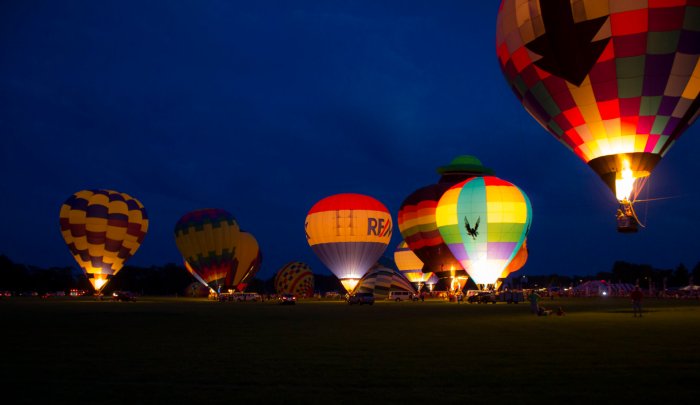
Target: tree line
[(171, 279)]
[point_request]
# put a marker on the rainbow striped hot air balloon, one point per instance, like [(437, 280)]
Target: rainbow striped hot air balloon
[(484, 221), (103, 229), (295, 278), (207, 240), (616, 82), (416, 218), (348, 233)]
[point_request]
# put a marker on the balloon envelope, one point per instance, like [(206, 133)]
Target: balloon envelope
[(207, 239), (348, 233), (381, 280), (484, 221), (410, 265), (295, 278), (615, 84), (103, 229), (246, 263)]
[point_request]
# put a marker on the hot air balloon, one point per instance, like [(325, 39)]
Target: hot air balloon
[(616, 82), (246, 263), (295, 278), (348, 232), (103, 229), (381, 280), (484, 221), (416, 218), (410, 265), (207, 240)]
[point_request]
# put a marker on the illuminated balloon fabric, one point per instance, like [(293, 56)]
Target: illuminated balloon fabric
[(518, 261), (103, 229), (295, 278), (409, 264), (613, 81), (416, 219), (348, 233), (207, 240), (246, 263), (381, 280), (484, 221)]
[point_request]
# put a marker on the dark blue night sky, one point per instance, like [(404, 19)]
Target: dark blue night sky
[(263, 108)]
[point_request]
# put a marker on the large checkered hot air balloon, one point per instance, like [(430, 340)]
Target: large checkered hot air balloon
[(616, 82), (103, 229), (207, 240), (348, 232), (484, 221)]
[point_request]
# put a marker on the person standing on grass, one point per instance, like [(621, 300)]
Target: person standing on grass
[(636, 297), (534, 302)]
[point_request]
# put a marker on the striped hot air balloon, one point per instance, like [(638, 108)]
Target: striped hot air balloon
[(207, 240), (348, 233), (411, 266), (484, 221), (103, 229), (416, 218), (295, 278), (616, 82), (381, 280)]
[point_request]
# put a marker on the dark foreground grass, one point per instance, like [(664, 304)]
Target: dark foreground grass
[(161, 350)]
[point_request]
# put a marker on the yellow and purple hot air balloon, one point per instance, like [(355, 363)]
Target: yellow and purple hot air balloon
[(207, 240), (295, 278), (348, 232), (484, 221), (103, 229), (616, 82)]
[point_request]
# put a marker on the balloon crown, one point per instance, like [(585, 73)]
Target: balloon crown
[(465, 164)]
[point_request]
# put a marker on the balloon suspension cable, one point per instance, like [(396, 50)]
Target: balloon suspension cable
[(634, 215)]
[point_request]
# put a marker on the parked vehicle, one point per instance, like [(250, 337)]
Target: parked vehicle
[(402, 296), (287, 299), (361, 298), (482, 297), (123, 296), (245, 296)]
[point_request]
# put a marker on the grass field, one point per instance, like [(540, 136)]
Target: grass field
[(160, 350)]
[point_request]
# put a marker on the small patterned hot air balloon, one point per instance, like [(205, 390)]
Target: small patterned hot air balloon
[(103, 229), (246, 263), (295, 278), (616, 82), (416, 217), (381, 280), (207, 240), (348, 232), (484, 221), (410, 265)]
